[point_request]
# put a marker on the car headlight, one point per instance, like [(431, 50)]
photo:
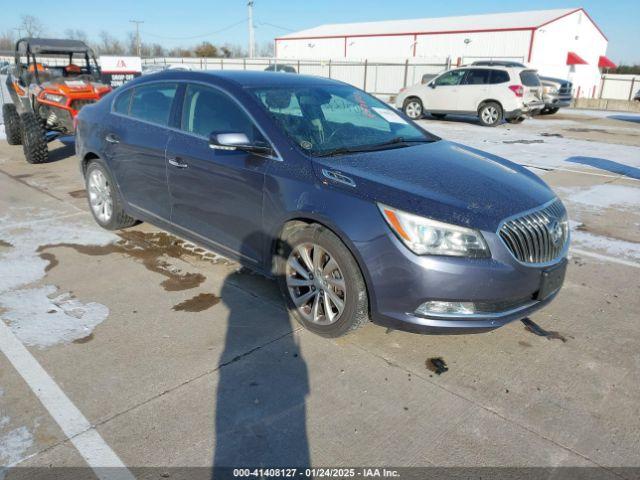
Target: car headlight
[(551, 90), (52, 97), (424, 236)]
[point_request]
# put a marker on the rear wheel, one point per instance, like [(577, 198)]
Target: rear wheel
[(550, 111), (12, 127), (413, 108), (106, 205), (321, 281), (490, 114), (34, 139)]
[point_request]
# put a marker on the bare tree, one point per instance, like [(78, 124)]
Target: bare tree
[(76, 34), (157, 50), (109, 45), (7, 41), (31, 26), (266, 49)]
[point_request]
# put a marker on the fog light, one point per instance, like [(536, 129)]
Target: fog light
[(437, 307)]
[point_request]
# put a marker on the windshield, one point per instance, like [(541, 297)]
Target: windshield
[(337, 119)]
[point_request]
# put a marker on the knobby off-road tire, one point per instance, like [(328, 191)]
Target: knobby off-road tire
[(340, 268), (104, 201), (34, 139), (12, 127)]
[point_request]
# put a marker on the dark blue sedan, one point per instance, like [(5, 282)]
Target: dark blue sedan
[(356, 210)]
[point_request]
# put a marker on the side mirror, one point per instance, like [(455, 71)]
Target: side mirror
[(432, 84), (237, 141)]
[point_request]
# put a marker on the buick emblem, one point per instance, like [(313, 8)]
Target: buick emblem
[(555, 231)]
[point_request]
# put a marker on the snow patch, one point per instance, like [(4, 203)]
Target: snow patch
[(13, 444), (40, 315), (604, 196), (613, 246)]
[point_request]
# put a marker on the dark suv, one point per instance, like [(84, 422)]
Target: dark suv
[(357, 211)]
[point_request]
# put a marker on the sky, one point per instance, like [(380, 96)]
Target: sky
[(187, 22)]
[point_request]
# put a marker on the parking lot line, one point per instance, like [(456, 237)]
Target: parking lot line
[(73, 423), (605, 258)]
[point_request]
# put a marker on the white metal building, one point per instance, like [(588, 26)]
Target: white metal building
[(564, 43)]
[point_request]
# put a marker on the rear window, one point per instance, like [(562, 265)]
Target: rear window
[(153, 102), (121, 105), (477, 76), (499, 76), (529, 78)]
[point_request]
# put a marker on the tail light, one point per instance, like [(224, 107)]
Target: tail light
[(517, 89)]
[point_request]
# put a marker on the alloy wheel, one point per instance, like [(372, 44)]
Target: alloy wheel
[(316, 284), (99, 192), (413, 109), (490, 114)]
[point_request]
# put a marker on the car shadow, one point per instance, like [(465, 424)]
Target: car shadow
[(61, 152), (608, 165), (454, 119), (260, 410)]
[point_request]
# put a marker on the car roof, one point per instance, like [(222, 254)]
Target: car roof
[(54, 45), (245, 79)]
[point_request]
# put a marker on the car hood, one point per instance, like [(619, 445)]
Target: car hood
[(442, 180)]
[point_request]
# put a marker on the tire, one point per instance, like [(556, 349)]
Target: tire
[(412, 108), (490, 114), (439, 116), (34, 139), (337, 264), (12, 126), (515, 120), (550, 111), (112, 216)]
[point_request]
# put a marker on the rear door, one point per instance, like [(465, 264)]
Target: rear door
[(136, 141), (216, 194), (442, 92), (474, 89)]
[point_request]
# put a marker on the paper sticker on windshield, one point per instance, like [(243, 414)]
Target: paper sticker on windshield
[(389, 115)]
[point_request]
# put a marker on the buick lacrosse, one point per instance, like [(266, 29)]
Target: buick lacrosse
[(358, 212)]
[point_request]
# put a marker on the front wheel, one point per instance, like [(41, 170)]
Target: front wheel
[(321, 281), (413, 108), (490, 114), (104, 201), (34, 139)]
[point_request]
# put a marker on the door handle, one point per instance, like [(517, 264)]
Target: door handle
[(111, 138), (177, 162)]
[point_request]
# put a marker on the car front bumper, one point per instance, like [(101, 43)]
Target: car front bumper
[(400, 281), (557, 101)]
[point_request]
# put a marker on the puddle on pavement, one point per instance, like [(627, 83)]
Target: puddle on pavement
[(588, 130), (78, 194), (198, 303), (437, 365), (51, 258), (536, 329), (149, 249), (526, 142), (86, 339), (524, 344), (546, 134)]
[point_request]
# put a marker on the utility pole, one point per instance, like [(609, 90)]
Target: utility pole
[(137, 22), (251, 38)]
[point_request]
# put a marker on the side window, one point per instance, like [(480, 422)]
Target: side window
[(121, 105), (499, 76), (477, 76), (153, 102), (454, 77), (206, 111)]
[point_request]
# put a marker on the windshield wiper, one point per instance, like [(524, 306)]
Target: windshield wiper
[(397, 142)]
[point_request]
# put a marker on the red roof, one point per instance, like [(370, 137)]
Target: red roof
[(575, 59), (605, 62)]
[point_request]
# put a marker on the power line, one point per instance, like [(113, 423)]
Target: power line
[(276, 26), (228, 27)]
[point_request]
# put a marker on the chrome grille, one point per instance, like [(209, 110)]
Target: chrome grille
[(565, 89), (538, 236)]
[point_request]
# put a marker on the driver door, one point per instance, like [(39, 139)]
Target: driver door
[(216, 195), (442, 92)]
